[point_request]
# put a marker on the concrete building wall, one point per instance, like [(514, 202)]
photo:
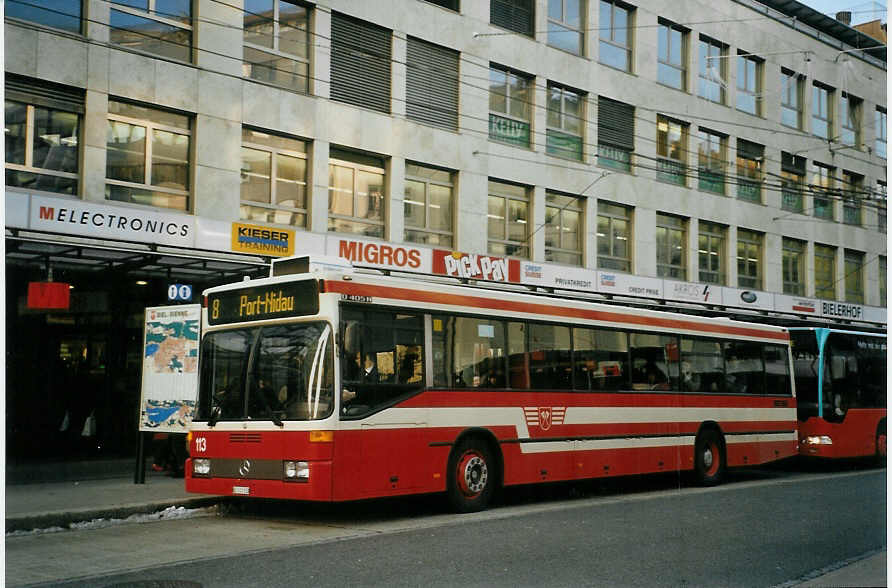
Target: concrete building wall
[(220, 101)]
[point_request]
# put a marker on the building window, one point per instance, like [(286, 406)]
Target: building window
[(671, 245), (749, 259), (616, 134), (277, 47), (792, 181), (564, 122), (854, 276), (852, 191), (447, 4), (514, 15), (614, 233), (749, 83), (792, 260), (360, 63), (880, 126), (711, 252), (510, 97), (427, 205), (672, 51), (565, 24), (881, 206), (563, 228), (850, 123), (274, 179), (825, 272), (791, 99), (750, 157), (160, 27), (356, 193), (147, 156), (882, 280), (615, 47), (821, 185), (672, 140), (432, 84), (59, 14), (821, 102), (711, 149), (41, 147), (713, 70), (508, 213)]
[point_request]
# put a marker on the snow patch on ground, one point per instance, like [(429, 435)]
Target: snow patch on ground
[(168, 514)]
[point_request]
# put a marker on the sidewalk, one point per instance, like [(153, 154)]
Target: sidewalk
[(39, 500)]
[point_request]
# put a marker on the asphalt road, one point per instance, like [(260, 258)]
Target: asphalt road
[(763, 529)]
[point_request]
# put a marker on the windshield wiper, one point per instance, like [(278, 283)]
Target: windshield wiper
[(215, 416), (276, 420)]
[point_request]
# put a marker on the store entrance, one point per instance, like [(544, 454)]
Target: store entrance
[(73, 376)]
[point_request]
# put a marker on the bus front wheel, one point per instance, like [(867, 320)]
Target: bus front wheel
[(881, 445), (709, 458), (471, 476)]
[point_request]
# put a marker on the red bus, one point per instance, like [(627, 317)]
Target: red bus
[(339, 385), (846, 370)]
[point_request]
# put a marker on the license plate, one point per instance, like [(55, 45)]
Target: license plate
[(241, 490)]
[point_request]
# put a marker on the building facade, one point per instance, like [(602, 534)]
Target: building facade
[(729, 156)]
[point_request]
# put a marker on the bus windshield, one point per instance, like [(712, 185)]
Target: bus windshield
[(277, 373)]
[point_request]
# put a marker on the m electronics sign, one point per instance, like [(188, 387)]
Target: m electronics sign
[(79, 217), (262, 240)]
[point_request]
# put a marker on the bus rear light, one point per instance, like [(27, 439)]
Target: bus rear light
[(201, 466), (321, 436), (297, 471), (819, 440)]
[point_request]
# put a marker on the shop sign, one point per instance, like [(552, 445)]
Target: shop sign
[(393, 256), (629, 285), (796, 304), (170, 368), (86, 219), (509, 130), (875, 314), (48, 295), (262, 240), (842, 310), (557, 276), (476, 267), (691, 292), (747, 299), (179, 292)]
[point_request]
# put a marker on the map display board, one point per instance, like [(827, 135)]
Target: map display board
[(169, 368)]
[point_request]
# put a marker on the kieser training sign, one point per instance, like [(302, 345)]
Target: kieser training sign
[(262, 240), (169, 368)]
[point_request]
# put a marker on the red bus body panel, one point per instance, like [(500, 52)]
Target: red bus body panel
[(388, 455), (855, 436)]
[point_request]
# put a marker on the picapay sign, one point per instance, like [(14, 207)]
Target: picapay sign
[(477, 267)]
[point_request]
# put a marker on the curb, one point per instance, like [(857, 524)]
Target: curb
[(29, 522)]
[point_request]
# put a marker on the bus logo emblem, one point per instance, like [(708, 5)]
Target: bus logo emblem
[(245, 469), (544, 416)]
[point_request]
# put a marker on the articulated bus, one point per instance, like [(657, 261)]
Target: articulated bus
[(341, 385), (841, 386)]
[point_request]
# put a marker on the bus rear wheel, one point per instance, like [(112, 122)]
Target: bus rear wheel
[(470, 476), (709, 458), (881, 445)]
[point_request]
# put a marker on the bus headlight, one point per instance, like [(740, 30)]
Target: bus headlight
[(297, 471), (201, 466), (819, 440)]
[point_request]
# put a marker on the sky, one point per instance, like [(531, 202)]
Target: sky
[(862, 10)]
